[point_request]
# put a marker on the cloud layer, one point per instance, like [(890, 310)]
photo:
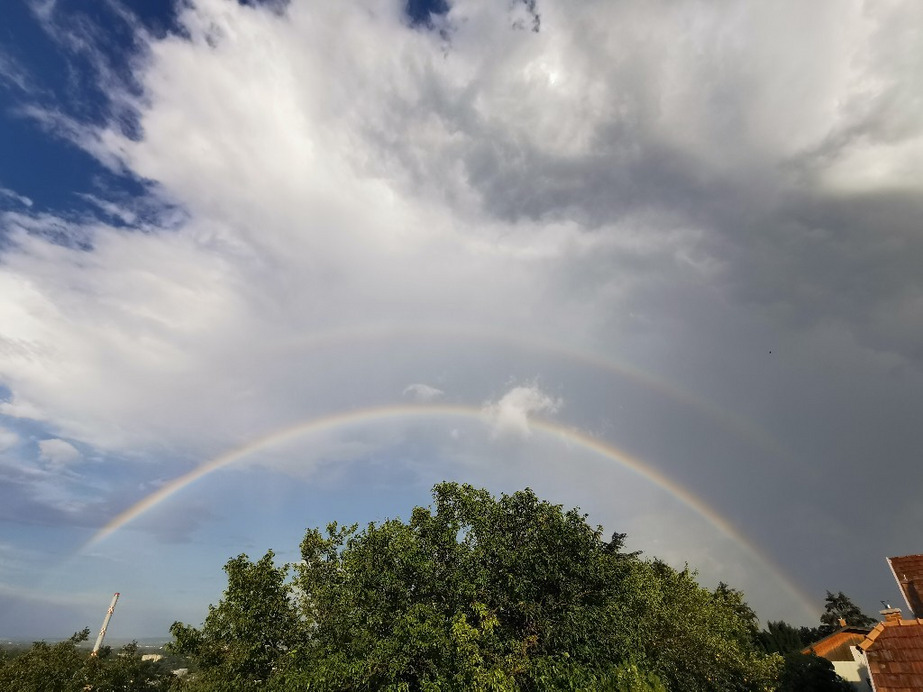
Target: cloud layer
[(690, 222)]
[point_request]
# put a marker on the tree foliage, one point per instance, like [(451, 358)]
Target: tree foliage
[(839, 606), (68, 667), (780, 638), (253, 626), (480, 593), (809, 673)]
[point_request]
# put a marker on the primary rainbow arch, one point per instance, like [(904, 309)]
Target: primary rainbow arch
[(380, 413)]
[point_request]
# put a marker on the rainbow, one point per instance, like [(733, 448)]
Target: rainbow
[(739, 427), (384, 413)]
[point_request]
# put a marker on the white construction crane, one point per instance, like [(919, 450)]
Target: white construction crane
[(102, 631)]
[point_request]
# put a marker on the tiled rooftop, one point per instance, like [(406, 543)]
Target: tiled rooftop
[(908, 570), (895, 655)]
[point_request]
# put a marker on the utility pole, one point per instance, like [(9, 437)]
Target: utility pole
[(102, 631)]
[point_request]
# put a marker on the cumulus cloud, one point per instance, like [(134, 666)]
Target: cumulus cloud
[(58, 452), (422, 392), (509, 415), (556, 186)]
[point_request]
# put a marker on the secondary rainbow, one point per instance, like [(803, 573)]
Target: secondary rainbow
[(380, 413), (738, 426)]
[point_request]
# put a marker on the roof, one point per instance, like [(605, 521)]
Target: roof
[(836, 646), (908, 571), (894, 651)]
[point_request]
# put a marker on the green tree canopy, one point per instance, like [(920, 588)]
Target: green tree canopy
[(475, 592), (809, 673), (839, 606), (253, 626), (68, 667), (780, 637)]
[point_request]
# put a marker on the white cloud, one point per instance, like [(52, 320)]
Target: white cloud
[(13, 73), (124, 215), (510, 414), (15, 196), (350, 186), (8, 438), (506, 182), (422, 392), (20, 409), (58, 452)]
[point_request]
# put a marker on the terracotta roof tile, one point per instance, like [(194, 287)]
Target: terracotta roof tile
[(908, 570), (895, 655)]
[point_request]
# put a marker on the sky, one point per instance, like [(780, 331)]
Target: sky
[(267, 265)]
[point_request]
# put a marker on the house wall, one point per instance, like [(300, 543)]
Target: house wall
[(854, 673), (862, 667)]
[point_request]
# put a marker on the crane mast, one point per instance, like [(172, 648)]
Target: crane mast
[(102, 630)]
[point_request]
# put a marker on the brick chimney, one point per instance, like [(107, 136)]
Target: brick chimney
[(842, 622), (891, 614)]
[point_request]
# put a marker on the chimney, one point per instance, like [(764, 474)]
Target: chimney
[(842, 622), (891, 614)]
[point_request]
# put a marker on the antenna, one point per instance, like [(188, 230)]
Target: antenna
[(102, 630)]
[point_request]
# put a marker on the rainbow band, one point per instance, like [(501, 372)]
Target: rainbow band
[(366, 415), (739, 427)]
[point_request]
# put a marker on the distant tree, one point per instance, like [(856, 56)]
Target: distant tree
[(809, 673), (836, 606), (47, 667), (68, 667), (124, 670), (780, 638), (839, 605), (809, 635)]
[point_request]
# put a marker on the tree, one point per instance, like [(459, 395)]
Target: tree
[(67, 667), (809, 673), (481, 593), (809, 635), (125, 670), (248, 632), (692, 638), (839, 606), (478, 593), (47, 667), (780, 637), (734, 599), (836, 606)]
